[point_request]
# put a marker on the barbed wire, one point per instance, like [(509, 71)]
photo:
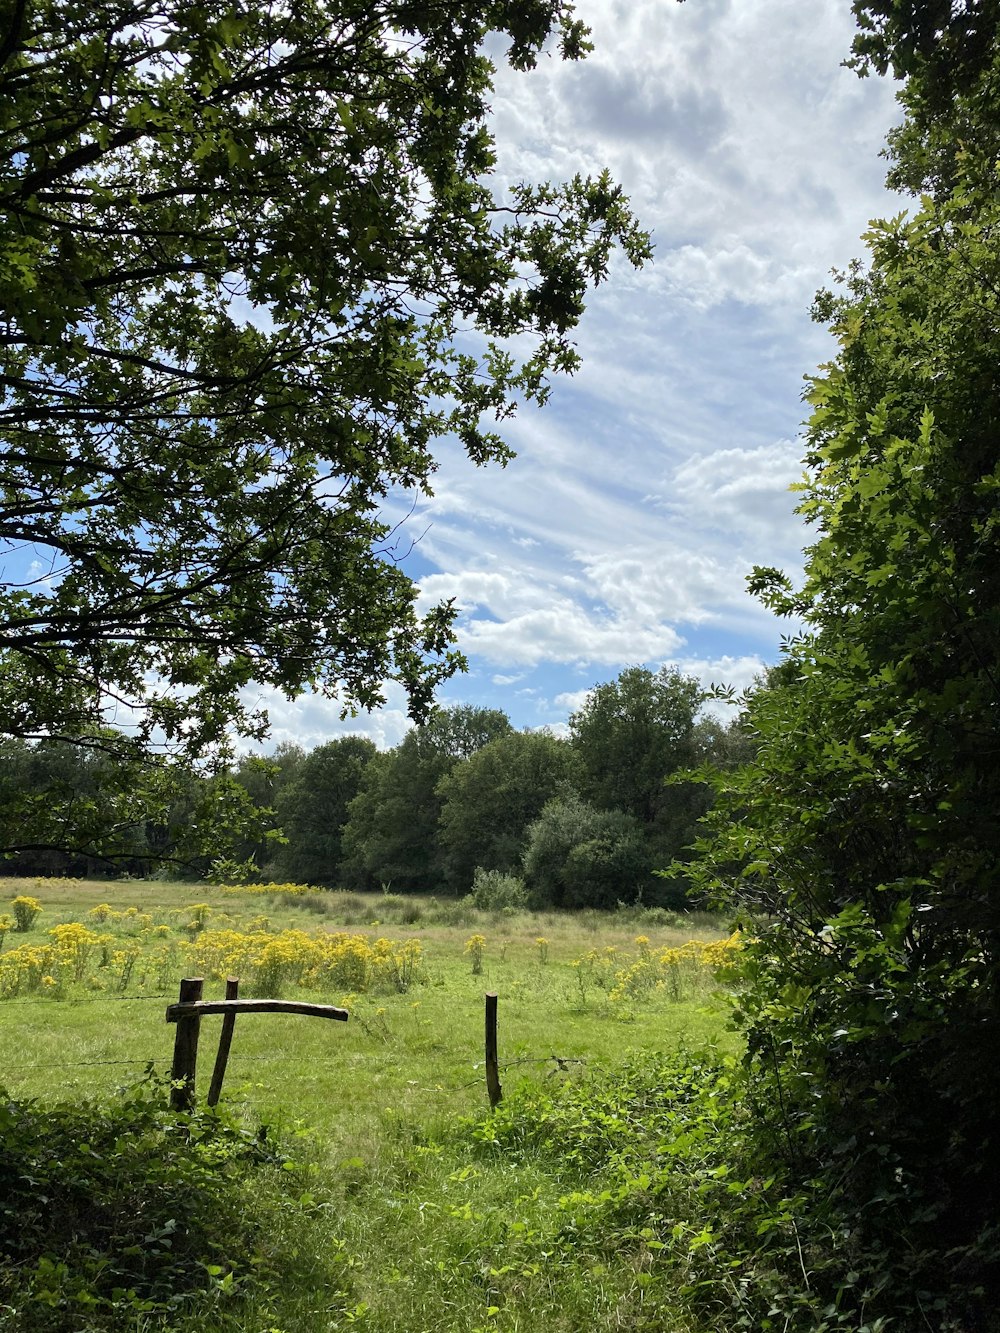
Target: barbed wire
[(561, 1064), (87, 999), (85, 1064)]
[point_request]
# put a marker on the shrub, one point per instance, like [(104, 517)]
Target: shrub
[(493, 891), (451, 911), (654, 1160), (127, 1215), (578, 856)]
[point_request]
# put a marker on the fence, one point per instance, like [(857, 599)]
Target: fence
[(190, 1008), (187, 1013)]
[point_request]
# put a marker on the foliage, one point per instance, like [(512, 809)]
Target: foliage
[(79, 806), (863, 834), (270, 889), (311, 810), (121, 1213), (269, 961), (263, 779), (252, 271), (489, 800), (391, 832), (940, 48), (654, 1163), (623, 980), (579, 856), (948, 55), (630, 734), (493, 891)]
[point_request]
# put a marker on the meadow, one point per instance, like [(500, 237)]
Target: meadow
[(413, 1211)]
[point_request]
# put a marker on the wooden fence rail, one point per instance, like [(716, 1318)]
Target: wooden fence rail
[(188, 1012)]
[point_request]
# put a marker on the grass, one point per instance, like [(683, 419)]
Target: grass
[(408, 1229)]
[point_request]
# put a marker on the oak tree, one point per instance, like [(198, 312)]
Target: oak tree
[(253, 266)]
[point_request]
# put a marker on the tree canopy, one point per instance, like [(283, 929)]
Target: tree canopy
[(941, 47), (391, 835), (631, 733), (252, 267), (488, 802), (311, 810)]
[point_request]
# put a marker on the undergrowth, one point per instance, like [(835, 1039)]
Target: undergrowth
[(654, 1164), (624, 1198), (125, 1216)]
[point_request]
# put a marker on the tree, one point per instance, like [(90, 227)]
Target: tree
[(392, 827), (38, 784), (264, 780), (630, 734), (941, 48), (86, 807), (489, 800), (239, 245), (864, 834), (312, 810), (579, 856)]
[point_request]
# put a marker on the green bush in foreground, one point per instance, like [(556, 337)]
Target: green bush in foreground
[(656, 1166), (127, 1216)]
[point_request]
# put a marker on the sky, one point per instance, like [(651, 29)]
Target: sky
[(655, 478)]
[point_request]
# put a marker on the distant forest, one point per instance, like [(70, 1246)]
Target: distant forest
[(585, 820)]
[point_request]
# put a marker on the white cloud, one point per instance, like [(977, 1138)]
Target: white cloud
[(572, 701), (664, 583), (313, 720), (565, 633), (742, 493), (657, 476), (737, 673)]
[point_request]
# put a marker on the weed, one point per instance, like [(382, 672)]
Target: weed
[(475, 947), (125, 1215), (26, 909)]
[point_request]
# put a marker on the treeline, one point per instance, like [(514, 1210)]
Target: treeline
[(85, 806), (583, 820)]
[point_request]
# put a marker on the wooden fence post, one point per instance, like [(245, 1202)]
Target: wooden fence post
[(492, 1071), (225, 1042), (182, 1071)]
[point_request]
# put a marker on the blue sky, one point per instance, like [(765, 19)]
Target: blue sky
[(657, 476)]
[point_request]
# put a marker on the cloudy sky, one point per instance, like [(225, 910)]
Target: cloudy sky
[(655, 478)]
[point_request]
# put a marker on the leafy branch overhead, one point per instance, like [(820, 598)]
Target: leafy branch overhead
[(252, 268)]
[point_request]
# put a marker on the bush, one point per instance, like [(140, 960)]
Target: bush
[(128, 1215), (493, 891), (578, 856), (654, 1160), (451, 911)]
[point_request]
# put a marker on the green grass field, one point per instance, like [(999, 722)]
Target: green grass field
[(408, 1231)]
